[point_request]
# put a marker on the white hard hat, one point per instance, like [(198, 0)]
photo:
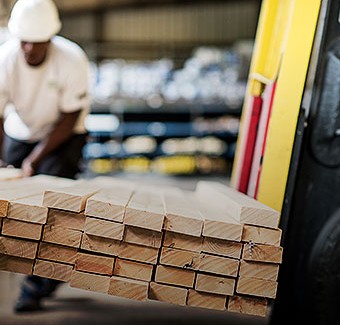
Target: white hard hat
[(34, 20)]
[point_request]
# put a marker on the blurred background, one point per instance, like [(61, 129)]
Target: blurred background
[(168, 79)]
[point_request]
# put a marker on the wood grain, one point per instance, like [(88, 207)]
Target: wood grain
[(127, 288), (259, 270), (222, 247), (143, 237), (181, 241), (100, 245), (18, 247), (256, 287), (62, 236), (16, 264), (57, 253), (215, 284), (66, 219), (21, 229), (104, 228), (133, 270), (206, 300), (53, 270), (89, 281), (94, 263), (175, 276), (169, 294), (262, 253), (248, 305)]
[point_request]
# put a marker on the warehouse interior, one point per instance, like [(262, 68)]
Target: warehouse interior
[(233, 92)]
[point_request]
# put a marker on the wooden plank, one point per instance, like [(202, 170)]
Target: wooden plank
[(21, 229), (261, 235), (28, 209), (218, 223), (206, 300), (71, 198), (145, 210), (259, 270), (215, 284), (218, 265), (221, 229), (66, 219), (26, 187), (248, 305), (181, 241), (89, 281), (18, 247), (62, 236), (109, 203), (16, 264), (256, 287), (9, 174), (222, 247), (241, 207), (53, 270), (133, 270), (176, 276), (182, 216), (127, 288), (104, 228), (57, 253), (262, 253), (139, 253), (169, 294), (94, 264), (100, 245), (143, 237), (180, 258)]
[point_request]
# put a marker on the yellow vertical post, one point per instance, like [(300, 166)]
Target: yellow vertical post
[(270, 40), (286, 105)]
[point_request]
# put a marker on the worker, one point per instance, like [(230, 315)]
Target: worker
[(44, 99)]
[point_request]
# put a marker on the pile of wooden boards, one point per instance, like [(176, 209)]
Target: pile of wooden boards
[(212, 248)]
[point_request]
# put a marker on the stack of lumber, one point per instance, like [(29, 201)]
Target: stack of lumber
[(211, 248)]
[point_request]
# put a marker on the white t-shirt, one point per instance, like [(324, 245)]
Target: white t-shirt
[(32, 98)]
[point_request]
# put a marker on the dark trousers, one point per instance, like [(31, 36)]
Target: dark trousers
[(63, 162)]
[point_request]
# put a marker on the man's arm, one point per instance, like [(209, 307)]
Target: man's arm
[(61, 133)]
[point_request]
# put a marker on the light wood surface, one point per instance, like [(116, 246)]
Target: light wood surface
[(215, 284), (88, 281), (18, 247), (133, 270), (169, 294), (143, 237), (94, 263), (248, 305), (145, 210), (104, 228), (21, 229), (127, 288), (222, 247), (241, 207), (66, 219), (53, 270), (57, 253), (206, 300)]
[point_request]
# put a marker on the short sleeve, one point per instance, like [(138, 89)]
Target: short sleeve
[(4, 92), (75, 91)]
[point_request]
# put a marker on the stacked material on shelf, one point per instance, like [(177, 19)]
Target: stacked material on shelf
[(211, 248)]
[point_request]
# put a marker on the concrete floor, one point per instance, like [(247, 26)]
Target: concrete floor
[(74, 306)]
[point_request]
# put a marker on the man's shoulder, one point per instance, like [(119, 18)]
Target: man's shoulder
[(9, 49), (68, 49)]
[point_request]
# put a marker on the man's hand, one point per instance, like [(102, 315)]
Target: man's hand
[(27, 168)]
